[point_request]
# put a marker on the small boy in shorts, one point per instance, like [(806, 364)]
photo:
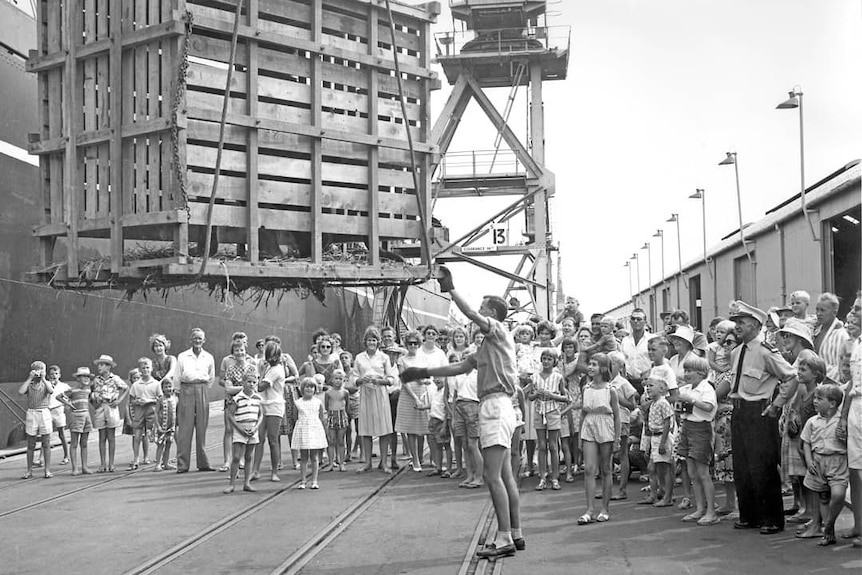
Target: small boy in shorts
[(826, 458), (245, 421), (439, 439), (108, 392), (335, 402), (38, 391), (80, 424), (166, 425), (661, 425), (143, 397), (58, 413)]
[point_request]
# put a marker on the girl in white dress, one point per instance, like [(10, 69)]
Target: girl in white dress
[(309, 435)]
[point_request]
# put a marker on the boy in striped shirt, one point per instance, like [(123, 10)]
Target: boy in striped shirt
[(245, 421), (38, 391)]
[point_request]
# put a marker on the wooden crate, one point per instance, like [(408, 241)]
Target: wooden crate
[(131, 95)]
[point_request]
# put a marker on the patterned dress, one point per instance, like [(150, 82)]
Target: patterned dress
[(409, 419), (309, 432), (723, 469)]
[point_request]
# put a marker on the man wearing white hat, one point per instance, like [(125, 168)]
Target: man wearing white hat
[(756, 369), (195, 374)]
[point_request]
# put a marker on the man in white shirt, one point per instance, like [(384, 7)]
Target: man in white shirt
[(195, 374), (634, 347)]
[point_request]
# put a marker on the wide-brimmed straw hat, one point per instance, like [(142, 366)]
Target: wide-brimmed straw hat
[(83, 372), (800, 329), (684, 333), (105, 359)]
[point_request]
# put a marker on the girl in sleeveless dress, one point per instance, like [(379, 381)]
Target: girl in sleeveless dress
[(309, 435), (600, 435)]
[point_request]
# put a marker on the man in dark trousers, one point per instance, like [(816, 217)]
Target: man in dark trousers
[(756, 369), (496, 380)]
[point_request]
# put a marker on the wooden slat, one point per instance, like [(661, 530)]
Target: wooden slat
[(236, 217), (72, 26), (168, 82), (252, 90), (373, 193), (154, 154), (118, 197)]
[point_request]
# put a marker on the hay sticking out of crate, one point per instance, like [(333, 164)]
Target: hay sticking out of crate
[(95, 274)]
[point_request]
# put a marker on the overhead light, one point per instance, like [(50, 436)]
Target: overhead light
[(792, 101), (697, 195), (834, 230), (658, 233), (627, 264), (851, 219), (672, 218), (729, 160), (645, 246)]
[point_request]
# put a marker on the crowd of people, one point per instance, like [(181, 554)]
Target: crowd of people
[(762, 402)]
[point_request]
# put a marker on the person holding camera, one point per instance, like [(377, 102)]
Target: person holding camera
[(38, 391)]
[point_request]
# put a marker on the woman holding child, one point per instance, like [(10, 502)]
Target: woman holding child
[(163, 363), (233, 368)]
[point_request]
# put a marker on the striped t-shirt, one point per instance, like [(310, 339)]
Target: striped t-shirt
[(247, 407), (79, 398), (38, 396)]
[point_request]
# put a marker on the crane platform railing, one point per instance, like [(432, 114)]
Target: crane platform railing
[(479, 164), (504, 41)]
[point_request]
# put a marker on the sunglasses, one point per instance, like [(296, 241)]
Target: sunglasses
[(324, 346), (412, 343)]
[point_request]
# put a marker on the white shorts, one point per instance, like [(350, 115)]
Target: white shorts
[(58, 416), (39, 422), (497, 420), (107, 416), (242, 438)]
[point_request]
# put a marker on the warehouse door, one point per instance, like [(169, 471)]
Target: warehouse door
[(844, 240)]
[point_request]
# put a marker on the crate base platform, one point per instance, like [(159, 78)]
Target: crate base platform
[(234, 276)]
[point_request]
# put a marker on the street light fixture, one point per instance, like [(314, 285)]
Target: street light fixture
[(700, 194), (731, 159), (674, 218), (795, 101), (647, 247)]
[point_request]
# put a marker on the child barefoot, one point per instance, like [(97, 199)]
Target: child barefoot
[(439, 437), (661, 426), (58, 409), (525, 363), (108, 392), (549, 397), (80, 426), (244, 420), (600, 435), (166, 422), (336, 399), (143, 396), (570, 416), (38, 391), (309, 436), (826, 458), (627, 397), (695, 442)]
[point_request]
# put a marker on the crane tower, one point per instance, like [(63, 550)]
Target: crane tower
[(506, 44)]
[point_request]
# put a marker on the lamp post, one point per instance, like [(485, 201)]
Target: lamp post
[(660, 234), (638, 262), (700, 194), (731, 160), (795, 101), (675, 218), (628, 264), (648, 248)]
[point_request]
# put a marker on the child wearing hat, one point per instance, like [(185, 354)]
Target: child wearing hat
[(38, 391), (109, 390), (80, 423)]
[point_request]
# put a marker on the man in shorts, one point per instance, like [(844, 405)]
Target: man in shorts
[(496, 379)]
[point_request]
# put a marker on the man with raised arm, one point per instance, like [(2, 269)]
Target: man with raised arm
[(496, 380)]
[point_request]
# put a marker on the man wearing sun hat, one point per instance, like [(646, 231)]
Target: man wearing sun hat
[(756, 369)]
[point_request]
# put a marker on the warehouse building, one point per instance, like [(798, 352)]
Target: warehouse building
[(783, 256)]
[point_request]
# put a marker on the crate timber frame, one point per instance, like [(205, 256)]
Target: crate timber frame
[(131, 93)]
